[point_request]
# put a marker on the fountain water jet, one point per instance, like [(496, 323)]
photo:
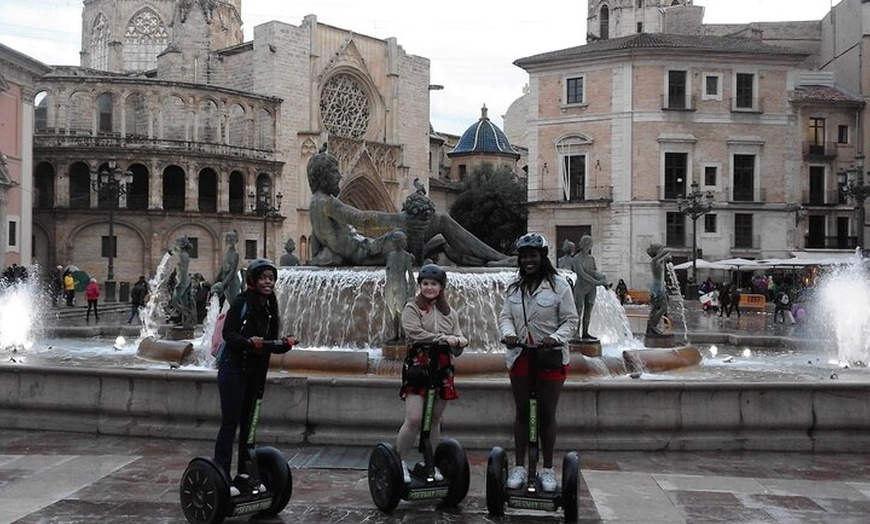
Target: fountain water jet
[(841, 312)]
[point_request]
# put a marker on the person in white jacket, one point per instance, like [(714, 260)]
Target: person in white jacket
[(538, 310), (427, 318)]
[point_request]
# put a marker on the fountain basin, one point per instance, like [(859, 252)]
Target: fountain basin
[(621, 414)]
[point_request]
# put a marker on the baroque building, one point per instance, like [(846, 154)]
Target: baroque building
[(656, 104), (214, 133)]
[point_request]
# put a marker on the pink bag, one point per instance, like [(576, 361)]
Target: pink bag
[(217, 336)]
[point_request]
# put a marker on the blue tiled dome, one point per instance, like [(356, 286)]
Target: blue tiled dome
[(483, 137)]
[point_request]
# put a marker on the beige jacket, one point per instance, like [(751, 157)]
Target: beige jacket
[(429, 325), (549, 312)]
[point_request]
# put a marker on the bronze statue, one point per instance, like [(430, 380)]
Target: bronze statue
[(335, 241), (399, 285), (228, 284), (658, 299), (585, 289), (182, 301), (568, 251), (288, 258)]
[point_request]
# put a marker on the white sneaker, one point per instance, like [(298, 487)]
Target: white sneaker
[(438, 476), (548, 479), (517, 478), (234, 491), (406, 473)]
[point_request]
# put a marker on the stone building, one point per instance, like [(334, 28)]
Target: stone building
[(18, 74), (214, 133), (621, 128)]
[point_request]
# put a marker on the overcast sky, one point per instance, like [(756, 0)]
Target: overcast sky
[(471, 44)]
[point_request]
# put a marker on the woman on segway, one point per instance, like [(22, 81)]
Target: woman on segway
[(538, 310), (427, 317), (251, 320)]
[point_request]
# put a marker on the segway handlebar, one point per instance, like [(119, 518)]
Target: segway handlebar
[(280, 346), (533, 347)]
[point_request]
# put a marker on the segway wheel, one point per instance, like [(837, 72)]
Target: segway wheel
[(276, 476), (570, 485), (496, 479), (385, 477), (204, 492), (450, 458)]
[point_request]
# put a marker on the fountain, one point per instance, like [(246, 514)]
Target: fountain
[(721, 404)]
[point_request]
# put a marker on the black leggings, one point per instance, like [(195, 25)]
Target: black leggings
[(92, 304), (548, 400), (239, 390)]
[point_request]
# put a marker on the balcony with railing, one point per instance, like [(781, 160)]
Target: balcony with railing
[(590, 194), (824, 151), (833, 242), (678, 103), (59, 141), (824, 197)]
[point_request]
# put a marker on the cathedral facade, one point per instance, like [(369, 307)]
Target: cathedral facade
[(174, 125)]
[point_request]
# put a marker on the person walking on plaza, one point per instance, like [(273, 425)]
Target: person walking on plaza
[(69, 288), (734, 301), (724, 299), (621, 291), (539, 310), (427, 318), (138, 298), (92, 293)]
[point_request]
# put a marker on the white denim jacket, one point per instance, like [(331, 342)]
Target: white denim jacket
[(548, 312)]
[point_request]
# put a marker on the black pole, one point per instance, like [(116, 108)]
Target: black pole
[(265, 241), (695, 249)]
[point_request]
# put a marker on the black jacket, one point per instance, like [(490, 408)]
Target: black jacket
[(260, 320)]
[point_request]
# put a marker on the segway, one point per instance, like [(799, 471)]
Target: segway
[(386, 482), (264, 491), (531, 496)]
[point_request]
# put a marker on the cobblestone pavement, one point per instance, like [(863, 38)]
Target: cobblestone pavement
[(49, 477)]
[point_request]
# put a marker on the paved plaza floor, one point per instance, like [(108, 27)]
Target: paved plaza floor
[(49, 477)]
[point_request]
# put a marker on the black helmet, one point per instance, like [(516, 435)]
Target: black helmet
[(533, 240), (258, 266), (434, 272)]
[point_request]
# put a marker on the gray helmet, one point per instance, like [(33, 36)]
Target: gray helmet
[(434, 272), (533, 240), (258, 266)]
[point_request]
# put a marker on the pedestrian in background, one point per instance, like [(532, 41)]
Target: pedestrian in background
[(138, 298), (92, 293), (69, 288)]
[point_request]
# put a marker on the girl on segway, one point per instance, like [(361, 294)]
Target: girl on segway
[(538, 309), (251, 320), (427, 317)]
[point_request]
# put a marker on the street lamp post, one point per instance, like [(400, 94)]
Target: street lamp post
[(109, 184), (695, 205), (265, 208), (851, 185)]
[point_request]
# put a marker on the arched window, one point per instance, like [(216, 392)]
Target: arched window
[(604, 23), (137, 192), (44, 184), (136, 115), (99, 46), (238, 135), (237, 192), (40, 111), (174, 119), (145, 38), (264, 193), (105, 103), (79, 186), (265, 130), (208, 122), (173, 189), (207, 191)]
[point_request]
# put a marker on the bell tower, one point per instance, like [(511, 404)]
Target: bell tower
[(617, 18), (129, 36)]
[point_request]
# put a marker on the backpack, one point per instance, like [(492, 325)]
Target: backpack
[(218, 344)]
